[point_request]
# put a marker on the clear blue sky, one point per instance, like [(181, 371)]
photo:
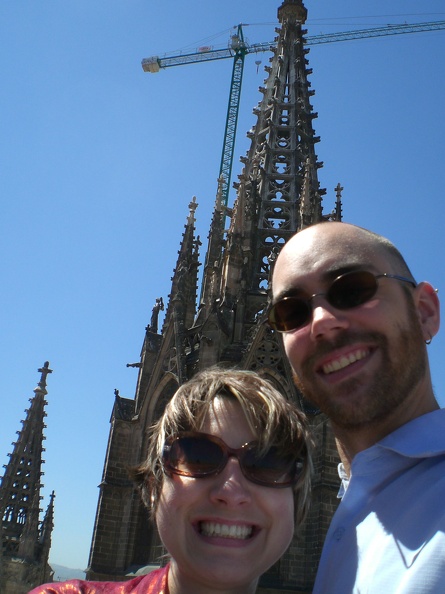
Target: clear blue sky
[(99, 161)]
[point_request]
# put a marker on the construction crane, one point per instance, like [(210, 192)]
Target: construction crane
[(237, 49)]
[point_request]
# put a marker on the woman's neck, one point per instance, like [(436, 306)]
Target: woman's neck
[(178, 583)]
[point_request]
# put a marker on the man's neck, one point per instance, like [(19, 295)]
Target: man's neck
[(352, 441)]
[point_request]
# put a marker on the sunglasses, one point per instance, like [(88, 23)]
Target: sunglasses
[(200, 455), (346, 292)]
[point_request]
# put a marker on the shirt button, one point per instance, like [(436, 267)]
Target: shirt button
[(338, 534)]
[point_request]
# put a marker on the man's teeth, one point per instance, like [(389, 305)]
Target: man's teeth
[(225, 531), (344, 361)]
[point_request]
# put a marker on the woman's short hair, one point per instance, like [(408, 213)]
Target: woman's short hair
[(272, 418)]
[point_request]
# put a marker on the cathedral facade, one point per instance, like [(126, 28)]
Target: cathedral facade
[(221, 321)]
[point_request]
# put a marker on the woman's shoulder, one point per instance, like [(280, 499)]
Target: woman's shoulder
[(153, 583)]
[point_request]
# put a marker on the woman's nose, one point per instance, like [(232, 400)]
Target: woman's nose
[(230, 486)]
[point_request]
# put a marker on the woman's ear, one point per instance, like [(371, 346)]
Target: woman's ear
[(428, 309)]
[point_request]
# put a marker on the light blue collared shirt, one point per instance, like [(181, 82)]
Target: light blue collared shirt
[(388, 533)]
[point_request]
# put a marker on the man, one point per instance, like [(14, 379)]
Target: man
[(355, 328)]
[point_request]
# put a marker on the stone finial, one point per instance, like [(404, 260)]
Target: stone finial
[(293, 11), (45, 370), (338, 190)]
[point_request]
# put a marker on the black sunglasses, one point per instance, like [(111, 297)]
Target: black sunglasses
[(346, 292), (199, 455)]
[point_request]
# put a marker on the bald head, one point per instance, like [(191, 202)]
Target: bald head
[(333, 247)]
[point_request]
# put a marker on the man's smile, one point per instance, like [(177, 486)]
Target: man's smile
[(344, 360)]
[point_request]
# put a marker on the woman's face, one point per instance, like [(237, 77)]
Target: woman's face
[(223, 531)]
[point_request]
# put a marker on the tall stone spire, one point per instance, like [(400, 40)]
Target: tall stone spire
[(278, 194), (25, 556)]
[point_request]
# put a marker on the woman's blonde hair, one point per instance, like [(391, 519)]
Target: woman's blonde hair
[(272, 418)]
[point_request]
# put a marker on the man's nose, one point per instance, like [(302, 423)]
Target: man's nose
[(326, 319)]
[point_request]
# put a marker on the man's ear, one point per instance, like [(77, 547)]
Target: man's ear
[(428, 308)]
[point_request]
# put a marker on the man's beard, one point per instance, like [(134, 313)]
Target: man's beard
[(402, 368)]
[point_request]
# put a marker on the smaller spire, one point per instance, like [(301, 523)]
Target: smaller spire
[(338, 203), (309, 197), (181, 308), (336, 213), (219, 193), (47, 525)]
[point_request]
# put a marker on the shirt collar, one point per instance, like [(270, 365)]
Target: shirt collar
[(423, 437)]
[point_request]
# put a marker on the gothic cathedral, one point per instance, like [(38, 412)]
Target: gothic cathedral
[(278, 194)]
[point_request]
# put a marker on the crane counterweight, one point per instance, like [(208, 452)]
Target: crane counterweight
[(151, 64)]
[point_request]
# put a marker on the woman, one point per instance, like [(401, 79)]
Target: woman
[(227, 471)]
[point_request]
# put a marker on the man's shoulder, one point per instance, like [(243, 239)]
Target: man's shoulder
[(422, 437)]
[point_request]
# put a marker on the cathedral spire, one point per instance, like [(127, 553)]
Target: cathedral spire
[(20, 487), (278, 192)]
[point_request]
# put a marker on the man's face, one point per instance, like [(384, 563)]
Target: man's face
[(357, 365)]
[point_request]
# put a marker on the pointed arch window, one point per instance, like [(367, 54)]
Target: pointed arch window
[(8, 516)]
